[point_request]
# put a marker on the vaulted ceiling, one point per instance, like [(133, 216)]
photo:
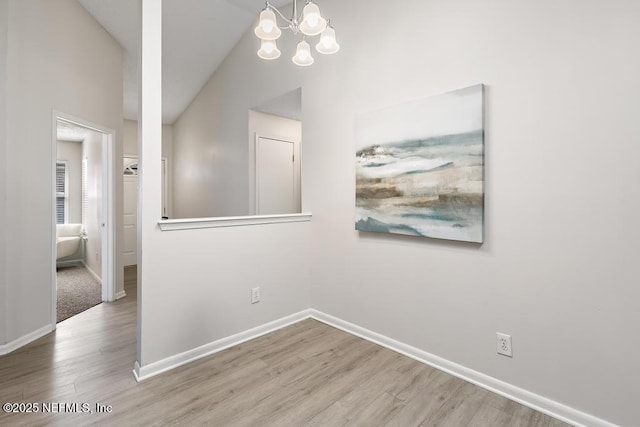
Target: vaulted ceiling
[(197, 36)]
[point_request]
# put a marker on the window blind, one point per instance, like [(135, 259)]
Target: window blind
[(61, 192)]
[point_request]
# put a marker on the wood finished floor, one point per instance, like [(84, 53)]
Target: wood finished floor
[(308, 374)]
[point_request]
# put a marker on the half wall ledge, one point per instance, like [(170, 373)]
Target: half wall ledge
[(230, 221)]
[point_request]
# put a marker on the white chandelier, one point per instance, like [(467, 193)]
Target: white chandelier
[(310, 23)]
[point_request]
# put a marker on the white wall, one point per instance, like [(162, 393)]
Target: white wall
[(92, 148), (558, 268), (130, 139), (268, 125), (71, 151), (52, 65), (3, 166), (200, 188), (210, 150), (214, 174), (214, 302)]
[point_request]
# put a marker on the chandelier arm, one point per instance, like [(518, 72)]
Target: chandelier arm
[(275, 9)]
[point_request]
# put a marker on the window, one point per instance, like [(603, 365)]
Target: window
[(62, 192)]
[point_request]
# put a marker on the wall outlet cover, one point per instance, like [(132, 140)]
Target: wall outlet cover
[(504, 344), (255, 295)]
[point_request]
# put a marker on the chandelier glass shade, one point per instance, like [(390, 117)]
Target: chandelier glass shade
[(327, 44), (268, 28), (312, 22), (303, 56), (268, 50), (309, 23)]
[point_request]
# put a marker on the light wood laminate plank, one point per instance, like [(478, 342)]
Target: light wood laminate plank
[(307, 374)]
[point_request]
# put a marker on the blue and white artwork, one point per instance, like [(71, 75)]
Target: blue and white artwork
[(420, 168)]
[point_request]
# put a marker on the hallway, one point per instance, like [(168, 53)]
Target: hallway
[(88, 355)]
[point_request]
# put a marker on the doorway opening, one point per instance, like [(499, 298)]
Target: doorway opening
[(130, 172), (83, 227)]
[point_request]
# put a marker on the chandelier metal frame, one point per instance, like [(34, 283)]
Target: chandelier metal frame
[(309, 23)]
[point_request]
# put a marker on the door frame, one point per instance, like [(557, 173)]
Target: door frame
[(108, 206)]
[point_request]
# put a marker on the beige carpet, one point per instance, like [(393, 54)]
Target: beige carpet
[(78, 291)]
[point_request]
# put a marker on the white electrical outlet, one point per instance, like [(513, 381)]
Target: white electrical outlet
[(255, 295), (504, 344)]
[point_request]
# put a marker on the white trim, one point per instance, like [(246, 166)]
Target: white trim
[(54, 234), (108, 206), (230, 221), (93, 273), (108, 268), (535, 401), (121, 295), (144, 372), (84, 196), (25, 339), (136, 369)]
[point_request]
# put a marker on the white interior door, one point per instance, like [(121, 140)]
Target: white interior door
[(275, 176), (130, 253), (130, 220)]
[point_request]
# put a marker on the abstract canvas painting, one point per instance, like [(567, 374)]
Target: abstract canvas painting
[(420, 167)]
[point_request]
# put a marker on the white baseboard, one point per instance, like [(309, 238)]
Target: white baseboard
[(25, 339), (525, 397), (93, 273), (144, 372), (121, 294), (539, 403)]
